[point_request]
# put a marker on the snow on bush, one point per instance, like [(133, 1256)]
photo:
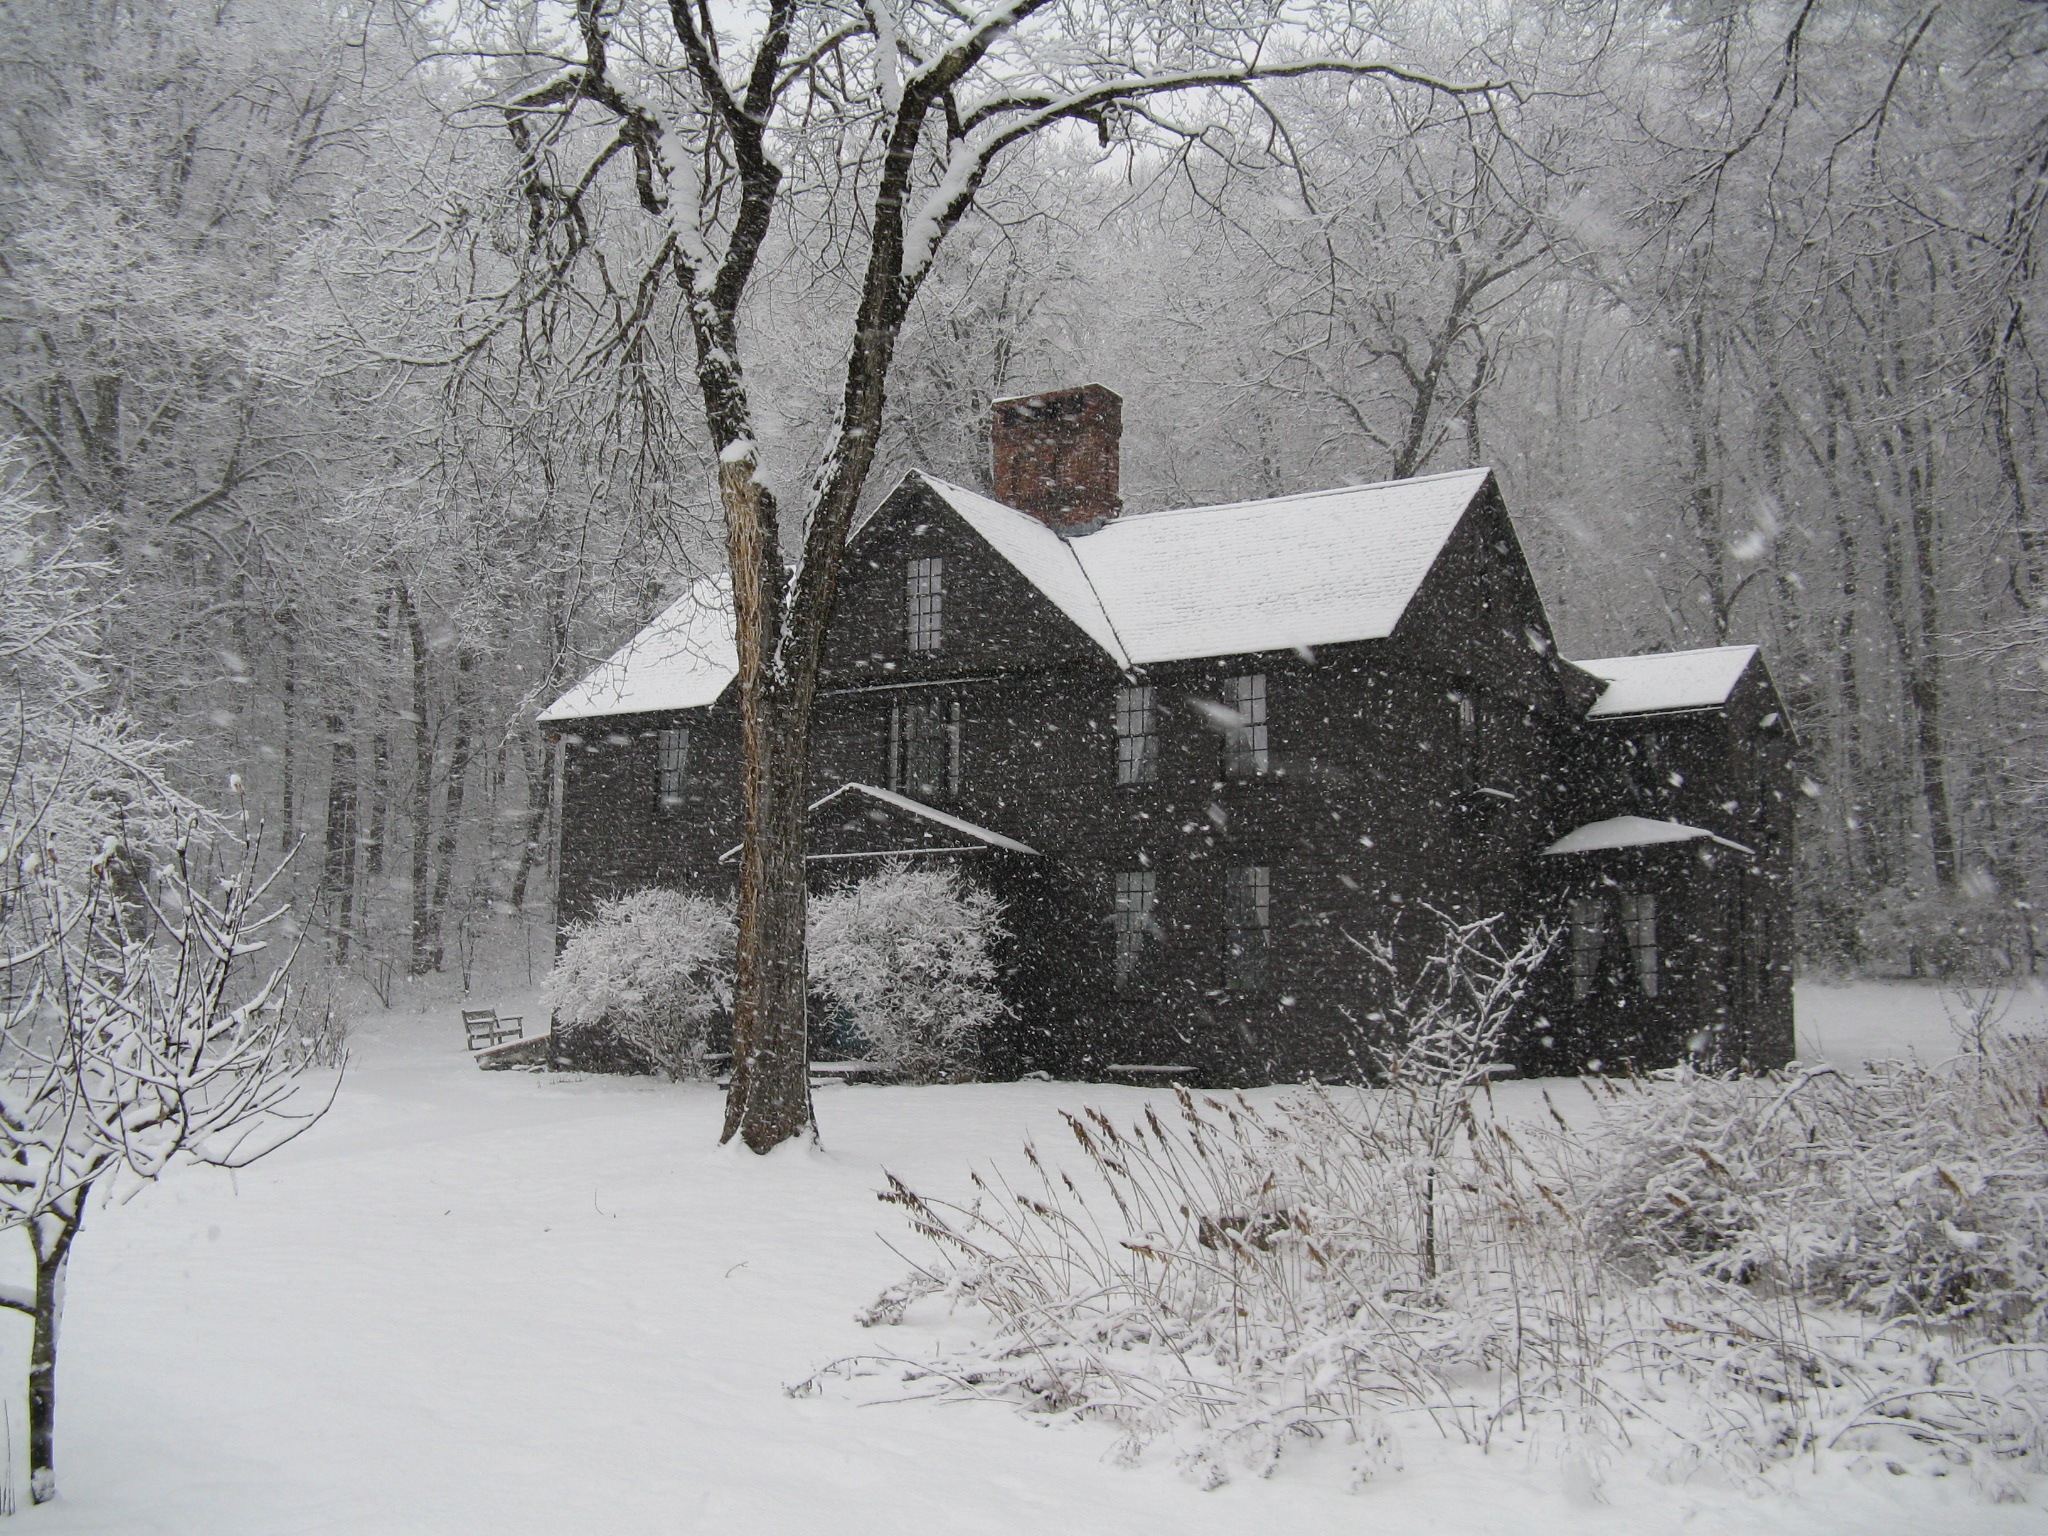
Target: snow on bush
[(906, 956), (655, 968), (1715, 1270), (1905, 1191)]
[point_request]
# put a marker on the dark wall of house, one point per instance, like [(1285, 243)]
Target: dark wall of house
[(617, 836), (1380, 805)]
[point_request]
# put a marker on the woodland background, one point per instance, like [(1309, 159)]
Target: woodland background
[(1736, 300)]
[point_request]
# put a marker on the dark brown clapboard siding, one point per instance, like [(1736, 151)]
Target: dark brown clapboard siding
[(1375, 812)]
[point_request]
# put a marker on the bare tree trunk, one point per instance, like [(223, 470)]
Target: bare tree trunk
[(380, 753), (53, 1259), (1925, 679), (340, 871), (770, 1098), (420, 954), (540, 798), (446, 846), (288, 768)]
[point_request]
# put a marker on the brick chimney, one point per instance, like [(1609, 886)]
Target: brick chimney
[(1057, 456)]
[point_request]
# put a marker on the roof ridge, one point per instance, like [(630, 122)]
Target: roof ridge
[(1261, 501)]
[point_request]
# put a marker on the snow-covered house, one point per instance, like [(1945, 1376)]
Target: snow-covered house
[(1202, 753)]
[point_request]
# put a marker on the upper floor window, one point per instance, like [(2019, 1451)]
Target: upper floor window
[(671, 766), (1137, 734), (1244, 739), (1137, 892), (1248, 925), (924, 747), (924, 600)]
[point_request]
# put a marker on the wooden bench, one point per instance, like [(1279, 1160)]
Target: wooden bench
[(485, 1028)]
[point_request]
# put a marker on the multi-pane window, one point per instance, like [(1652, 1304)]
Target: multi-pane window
[(924, 747), (1593, 924), (924, 603), (671, 765), (1137, 734), (1589, 918), (1248, 926), (1244, 737), (1639, 922), (1137, 891)]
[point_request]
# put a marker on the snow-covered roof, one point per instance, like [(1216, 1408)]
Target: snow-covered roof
[(1633, 832), (1041, 557), (916, 808), (1292, 571), (683, 660), (1643, 685)]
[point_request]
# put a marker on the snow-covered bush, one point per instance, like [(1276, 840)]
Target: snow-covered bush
[(1740, 1271), (906, 957), (653, 967), (1905, 1191)]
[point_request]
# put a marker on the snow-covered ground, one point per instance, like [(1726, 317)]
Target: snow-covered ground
[(512, 1304)]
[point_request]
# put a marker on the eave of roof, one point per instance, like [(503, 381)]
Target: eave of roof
[(684, 659), (1633, 832), (1664, 682), (915, 808)]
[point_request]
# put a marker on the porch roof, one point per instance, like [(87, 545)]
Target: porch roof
[(1634, 832), (890, 797)]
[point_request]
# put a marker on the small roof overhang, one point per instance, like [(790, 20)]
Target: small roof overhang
[(1634, 832), (980, 835)]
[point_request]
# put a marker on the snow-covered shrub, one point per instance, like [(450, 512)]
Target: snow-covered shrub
[(1733, 1271), (653, 967), (906, 957), (1905, 1191)]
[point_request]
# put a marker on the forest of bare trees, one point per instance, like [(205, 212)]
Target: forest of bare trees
[(1736, 299)]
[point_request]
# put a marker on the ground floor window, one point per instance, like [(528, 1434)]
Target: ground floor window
[(1137, 892), (671, 765), (1639, 922), (1593, 924), (1247, 923)]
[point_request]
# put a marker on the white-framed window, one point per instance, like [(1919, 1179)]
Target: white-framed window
[(924, 747), (924, 603), (1248, 928), (1137, 734), (1245, 755), (1137, 893), (671, 766)]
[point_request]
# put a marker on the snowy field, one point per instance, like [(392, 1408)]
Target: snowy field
[(509, 1304)]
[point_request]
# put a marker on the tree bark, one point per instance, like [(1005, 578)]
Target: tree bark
[(420, 956), (342, 804), (53, 1259), (769, 1101), (447, 845)]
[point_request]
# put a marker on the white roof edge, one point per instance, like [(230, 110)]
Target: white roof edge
[(1668, 682), (1635, 832), (1480, 471), (1091, 617), (915, 808)]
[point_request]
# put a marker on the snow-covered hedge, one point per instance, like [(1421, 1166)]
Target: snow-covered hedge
[(653, 967), (906, 958)]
